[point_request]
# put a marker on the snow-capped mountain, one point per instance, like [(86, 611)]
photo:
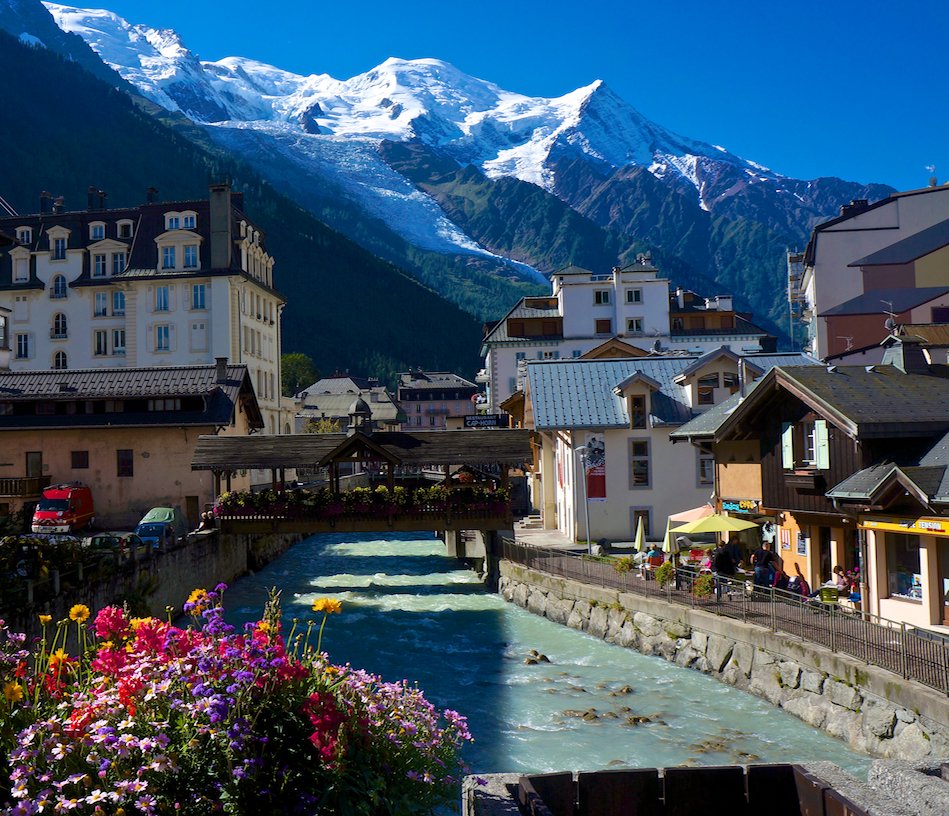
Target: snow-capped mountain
[(504, 133), (415, 156)]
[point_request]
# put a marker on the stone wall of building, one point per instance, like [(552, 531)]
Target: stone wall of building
[(873, 710)]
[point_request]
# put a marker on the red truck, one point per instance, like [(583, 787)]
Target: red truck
[(64, 508)]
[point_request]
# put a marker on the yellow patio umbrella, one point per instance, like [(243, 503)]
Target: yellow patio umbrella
[(640, 540), (715, 523), (668, 541)]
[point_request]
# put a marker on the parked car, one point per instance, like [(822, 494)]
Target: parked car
[(113, 541), (64, 508), (32, 555), (162, 525)]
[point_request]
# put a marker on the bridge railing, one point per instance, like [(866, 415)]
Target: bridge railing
[(912, 653)]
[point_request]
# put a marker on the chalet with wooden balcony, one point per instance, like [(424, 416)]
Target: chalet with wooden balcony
[(852, 464)]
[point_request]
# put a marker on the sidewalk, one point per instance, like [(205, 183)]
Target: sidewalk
[(556, 540)]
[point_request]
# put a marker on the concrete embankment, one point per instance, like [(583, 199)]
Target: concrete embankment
[(873, 710)]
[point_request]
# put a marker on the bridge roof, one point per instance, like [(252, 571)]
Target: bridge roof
[(264, 452)]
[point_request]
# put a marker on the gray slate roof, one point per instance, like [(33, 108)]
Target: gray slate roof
[(521, 310), (880, 301), (909, 249), (877, 400), (579, 393)]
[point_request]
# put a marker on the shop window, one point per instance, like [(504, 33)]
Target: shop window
[(903, 573)]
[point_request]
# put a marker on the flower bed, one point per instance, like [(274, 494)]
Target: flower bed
[(363, 501), (147, 718)]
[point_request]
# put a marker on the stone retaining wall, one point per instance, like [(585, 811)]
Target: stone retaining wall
[(873, 710)]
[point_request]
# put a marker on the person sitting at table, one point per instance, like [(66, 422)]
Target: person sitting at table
[(798, 583)]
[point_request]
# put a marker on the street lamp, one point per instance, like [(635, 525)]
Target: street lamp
[(584, 451)]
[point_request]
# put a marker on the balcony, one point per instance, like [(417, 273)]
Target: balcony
[(23, 487), (482, 376), (804, 479), (58, 334)]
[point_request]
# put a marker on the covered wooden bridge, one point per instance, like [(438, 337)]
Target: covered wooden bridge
[(385, 454)]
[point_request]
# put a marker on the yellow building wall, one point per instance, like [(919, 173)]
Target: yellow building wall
[(933, 269)]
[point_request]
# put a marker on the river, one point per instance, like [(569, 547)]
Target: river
[(409, 611)]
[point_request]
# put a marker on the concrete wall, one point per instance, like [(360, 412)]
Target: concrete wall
[(871, 709)]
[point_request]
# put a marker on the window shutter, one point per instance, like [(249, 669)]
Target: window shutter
[(821, 445), (172, 342), (787, 445)]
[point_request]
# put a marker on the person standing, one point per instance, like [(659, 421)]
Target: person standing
[(723, 566), (763, 562)]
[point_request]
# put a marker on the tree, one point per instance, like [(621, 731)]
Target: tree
[(323, 425), (298, 372)]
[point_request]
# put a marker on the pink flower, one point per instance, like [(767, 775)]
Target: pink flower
[(111, 623)]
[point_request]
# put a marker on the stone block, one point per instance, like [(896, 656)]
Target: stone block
[(765, 682), (685, 655), (575, 620), (648, 625), (879, 719), (699, 641), (718, 651), (812, 681), (598, 622), (808, 707), (520, 595), (742, 658), (840, 722), (628, 636), (617, 617), (558, 610), (840, 694), (537, 602), (582, 608), (910, 743), (790, 673), (676, 629)]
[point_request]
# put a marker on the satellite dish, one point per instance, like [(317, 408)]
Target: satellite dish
[(889, 324)]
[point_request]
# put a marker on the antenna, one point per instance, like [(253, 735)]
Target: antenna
[(890, 325), (849, 341), (4, 205), (931, 169)]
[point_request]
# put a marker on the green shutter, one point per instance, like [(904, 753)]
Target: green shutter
[(821, 445), (787, 445)]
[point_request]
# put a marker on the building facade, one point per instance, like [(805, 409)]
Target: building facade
[(128, 433), (161, 284), (603, 431), (585, 309), (429, 400), (330, 401), (870, 247)]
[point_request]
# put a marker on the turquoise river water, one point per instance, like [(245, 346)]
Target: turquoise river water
[(408, 611)]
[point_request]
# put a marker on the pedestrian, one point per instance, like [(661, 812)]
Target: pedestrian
[(798, 583), (762, 560), (724, 567)]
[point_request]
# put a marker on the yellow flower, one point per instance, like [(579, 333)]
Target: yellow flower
[(13, 692), (200, 599), (264, 626), (328, 606), (137, 623), (79, 613), (44, 619), (59, 661)]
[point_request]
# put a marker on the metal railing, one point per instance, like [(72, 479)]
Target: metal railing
[(891, 645)]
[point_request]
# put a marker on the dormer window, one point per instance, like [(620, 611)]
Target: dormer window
[(168, 257), (98, 266), (59, 249), (189, 221), (24, 235), (97, 231), (707, 385), (172, 222), (125, 229), (637, 411)]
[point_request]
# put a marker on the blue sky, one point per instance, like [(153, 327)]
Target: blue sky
[(858, 90)]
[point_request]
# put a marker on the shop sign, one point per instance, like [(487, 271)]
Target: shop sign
[(485, 421), (919, 526), (740, 505)]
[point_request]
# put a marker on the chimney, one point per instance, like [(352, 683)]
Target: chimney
[(59, 205), (91, 194), (102, 197), (220, 220), (46, 202), (220, 370), (680, 297), (151, 195), (855, 207), (906, 354)]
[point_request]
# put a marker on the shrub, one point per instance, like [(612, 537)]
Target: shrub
[(664, 573), (624, 564), (704, 586)]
